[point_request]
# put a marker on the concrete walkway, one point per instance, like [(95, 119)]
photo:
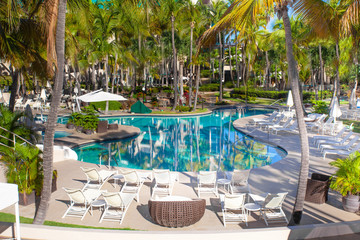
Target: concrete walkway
[(278, 177)]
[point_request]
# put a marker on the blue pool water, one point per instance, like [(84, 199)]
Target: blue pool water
[(60, 134), (183, 144)]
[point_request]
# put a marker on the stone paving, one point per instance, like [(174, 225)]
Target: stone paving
[(278, 177)]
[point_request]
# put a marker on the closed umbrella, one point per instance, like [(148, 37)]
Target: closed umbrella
[(290, 101), (43, 94), (335, 110)]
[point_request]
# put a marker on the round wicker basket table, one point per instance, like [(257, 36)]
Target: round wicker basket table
[(176, 211)]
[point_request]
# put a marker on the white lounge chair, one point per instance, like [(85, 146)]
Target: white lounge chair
[(117, 205), (290, 128), (340, 147), (80, 201), (332, 138), (132, 183), (232, 207), (341, 152), (268, 119), (207, 182), (318, 122), (239, 181), (335, 142), (276, 122), (286, 124), (95, 178), (164, 181), (271, 207)]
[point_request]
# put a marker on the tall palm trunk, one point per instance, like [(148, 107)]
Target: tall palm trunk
[(267, 71), (115, 74), (93, 78), (337, 83), (52, 117), (107, 81), (220, 69), (14, 86), (304, 167), (196, 86), (237, 61), (181, 68), (321, 73), (175, 63), (191, 67)]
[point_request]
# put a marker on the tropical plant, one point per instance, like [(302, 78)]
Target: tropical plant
[(23, 167), (346, 180), (320, 107)]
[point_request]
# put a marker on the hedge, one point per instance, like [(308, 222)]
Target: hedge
[(266, 94), (211, 87)]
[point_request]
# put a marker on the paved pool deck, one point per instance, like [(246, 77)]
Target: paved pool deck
[(278, 177)]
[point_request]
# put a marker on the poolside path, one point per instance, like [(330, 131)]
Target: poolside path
[(279, 177)]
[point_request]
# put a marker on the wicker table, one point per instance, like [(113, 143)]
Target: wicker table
[(175, 211)]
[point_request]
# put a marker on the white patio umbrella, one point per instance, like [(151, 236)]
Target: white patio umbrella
[(48, 85), (100, 96), (335, 110), (290, 101)]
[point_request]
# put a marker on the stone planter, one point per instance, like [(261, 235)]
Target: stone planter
[(351, 203), (26, 199), (87, 131)]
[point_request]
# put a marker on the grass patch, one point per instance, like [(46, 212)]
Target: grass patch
[(356, 125), (168, 111), (7, 217), (257, 101)]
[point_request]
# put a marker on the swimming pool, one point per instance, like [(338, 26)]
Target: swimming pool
[(59, 134), (183, 144)]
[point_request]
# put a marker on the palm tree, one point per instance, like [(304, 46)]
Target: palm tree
[(243, 13), (52, 116)]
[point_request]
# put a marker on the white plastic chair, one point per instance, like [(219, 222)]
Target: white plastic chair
[(95, 178), (268, 119), (340, 147), (132, 183), (207, 182), (239, 181), (164, 181), (80, 201), (332, 138), (232, 207), (341, 152), (341, 141), (276, 122), (117, 205), (290, 128), (318, 122), (271, 207)]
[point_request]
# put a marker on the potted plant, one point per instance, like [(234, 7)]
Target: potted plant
[(24, 168), (346, 180)]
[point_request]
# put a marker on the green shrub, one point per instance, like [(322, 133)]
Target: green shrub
[(268, 94), (205, 73), (183, 108), (88, 119), (242, 96), (229, 85), (211, 87), (320, 107)]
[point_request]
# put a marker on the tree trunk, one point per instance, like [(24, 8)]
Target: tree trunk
[(181, 68), (230, 65), (197, 87), (93, 78), (304, 167), (237, 61), (191, 66), (321, 73), (337, 82), (276, 78), (107, 81), (267, 71), (220, 68), (52, 117), (175, 63), (115, 74), (14, 86)]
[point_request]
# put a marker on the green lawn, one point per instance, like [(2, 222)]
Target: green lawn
[(356, 125), (7, 217)]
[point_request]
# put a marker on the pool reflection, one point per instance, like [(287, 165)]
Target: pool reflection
[(183, 144)]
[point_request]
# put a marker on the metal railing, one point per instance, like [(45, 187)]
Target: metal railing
[(14, 138)]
